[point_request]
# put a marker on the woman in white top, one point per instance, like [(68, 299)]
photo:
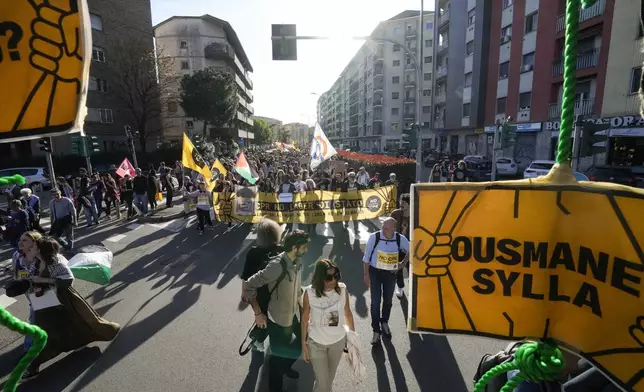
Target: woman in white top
[(325, 312)]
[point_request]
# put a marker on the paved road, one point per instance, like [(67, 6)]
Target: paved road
[(177, 297)]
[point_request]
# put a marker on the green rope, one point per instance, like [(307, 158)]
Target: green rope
[(564, 148), (536, 362), (39, 340)]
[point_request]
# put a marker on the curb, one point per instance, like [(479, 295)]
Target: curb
[(164, 218)]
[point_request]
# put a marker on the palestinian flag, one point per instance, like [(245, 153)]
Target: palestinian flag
[(92, 263), (243, 168)]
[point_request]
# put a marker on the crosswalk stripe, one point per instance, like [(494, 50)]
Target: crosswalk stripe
[(116, 238), (5, 301)]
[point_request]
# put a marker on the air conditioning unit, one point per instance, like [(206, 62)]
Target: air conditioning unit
[(522, 108), (506, 38), (526, 68)]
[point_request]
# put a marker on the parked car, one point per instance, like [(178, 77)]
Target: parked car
[(36, 178), (538, 169), (614, 174), (506, 166)]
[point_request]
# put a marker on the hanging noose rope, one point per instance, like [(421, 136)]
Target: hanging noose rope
[(538, 362), (39, 340)]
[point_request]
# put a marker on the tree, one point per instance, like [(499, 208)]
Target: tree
[(263, 132), (142, 81), (210, 96), (283, 135)]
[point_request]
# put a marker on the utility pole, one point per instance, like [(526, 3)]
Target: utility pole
[(47, 147), (130, 143), (495, 147), (419, 97), (576, 143)]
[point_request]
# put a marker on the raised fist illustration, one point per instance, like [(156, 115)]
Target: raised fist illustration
[(434, 250)]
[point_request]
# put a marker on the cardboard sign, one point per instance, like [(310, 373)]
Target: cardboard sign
[(544, 258), (338, 167), (45, 51)]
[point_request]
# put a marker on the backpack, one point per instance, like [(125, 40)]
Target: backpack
[(401, 253)]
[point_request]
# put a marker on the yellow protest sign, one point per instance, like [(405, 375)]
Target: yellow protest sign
[(543, 258), (248, 205), (45, 50)]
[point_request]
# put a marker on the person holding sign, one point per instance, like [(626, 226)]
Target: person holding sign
[(381, 261), (203, 205)]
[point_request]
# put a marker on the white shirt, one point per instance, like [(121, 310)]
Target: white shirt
[(300, 186), (326, 320)]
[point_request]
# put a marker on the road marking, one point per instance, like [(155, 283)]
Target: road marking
[(5, 301), (134, 226), (116, 238)]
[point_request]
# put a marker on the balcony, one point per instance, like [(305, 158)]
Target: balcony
[(443, 18), (410, 33), (585, 60), (378, 59), (409, 100), (441, 72), (409, 116), (410, 67), (218, 51), (584, 14), (377, 102), (410, 83), (582, 108), (440, 98), (439, 123), (241, 117), (443, 46), (378, 88)]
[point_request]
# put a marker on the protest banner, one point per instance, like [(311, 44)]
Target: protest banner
[(45, 66), (247, 205), (549, 258)]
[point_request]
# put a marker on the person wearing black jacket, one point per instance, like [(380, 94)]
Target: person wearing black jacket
[(127, 194), (141, 192), (153, 188)]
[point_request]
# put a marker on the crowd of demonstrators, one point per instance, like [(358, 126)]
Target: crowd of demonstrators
[(446, 171)]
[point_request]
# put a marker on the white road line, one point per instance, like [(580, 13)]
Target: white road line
[(116, 238), (134, 226), (5, 301)]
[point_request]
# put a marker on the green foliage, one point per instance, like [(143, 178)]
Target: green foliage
[(211, 96), (263, 132), (283, 136)]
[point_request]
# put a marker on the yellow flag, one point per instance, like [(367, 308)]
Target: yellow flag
[(218, 165), (192, 160)]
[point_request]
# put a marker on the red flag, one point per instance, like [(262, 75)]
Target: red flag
[(126, 168)]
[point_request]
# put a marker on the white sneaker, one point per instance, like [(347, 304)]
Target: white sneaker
[(400, 292)]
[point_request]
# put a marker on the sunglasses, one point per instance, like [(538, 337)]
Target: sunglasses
[(330, 277)]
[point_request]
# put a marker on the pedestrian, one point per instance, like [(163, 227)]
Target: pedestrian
[(18, 223), (461, 173), (402, 217), (381, 261), (63, 219), (283, 277), (141, 192), (169, 187), (203, 205), (325, 311), (31, 203), (86, 198), (127, 192), (112, 197), (153, 188)]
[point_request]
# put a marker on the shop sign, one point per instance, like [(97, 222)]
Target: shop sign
[(634, 120), (521, 127)]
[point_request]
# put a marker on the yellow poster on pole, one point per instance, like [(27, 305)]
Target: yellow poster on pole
[(45, 51), (549, 258)]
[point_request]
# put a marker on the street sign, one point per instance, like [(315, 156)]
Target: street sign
[(284, 48)]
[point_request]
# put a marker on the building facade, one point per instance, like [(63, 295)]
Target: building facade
[(299, 133), (196, 43), (375, 97)]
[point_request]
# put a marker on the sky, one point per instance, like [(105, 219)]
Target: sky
[(287, 90)]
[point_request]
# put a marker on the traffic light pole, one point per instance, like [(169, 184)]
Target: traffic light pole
[(50, 167), (495, 149), (576, 143)]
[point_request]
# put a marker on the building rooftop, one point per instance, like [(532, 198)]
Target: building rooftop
[(409, 14), (231, 35)]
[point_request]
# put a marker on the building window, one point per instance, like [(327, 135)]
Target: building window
[(468, 80), (500, 105), (395, 95), (394, 126), (506, 32), (105, 116), (427, 76), (190, 124), (185, 64), (428, 59), (531, 22), (98, 84), (471, 16), (408, 60), (395, 79), (96, 21), (427, 109), (469, 48), (427, 93), (429, 26), (396, 31), (525, 100), (396, 63), (98, 54), (428, 43), (528, 59), (507, 3), (173, 107), (636, 76), (395, 111), (504, 69), (396, 48), (466, 109), (183, 44)]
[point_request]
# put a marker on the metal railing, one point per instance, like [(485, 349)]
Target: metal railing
[(583, 107), (584, 14), (441, 72), (410, 99), (377, 102), (443, 18), (585, 60), (410, 33), (443, 45), (441, 98), (410, 83)]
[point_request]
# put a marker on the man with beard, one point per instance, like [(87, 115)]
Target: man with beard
[(282, 276)]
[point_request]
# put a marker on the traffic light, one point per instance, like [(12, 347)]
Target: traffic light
[(284, 48), (45, 144), (93, 145), (589, 138), (409, 138), (508, 135), (197, 141), (76, 145)]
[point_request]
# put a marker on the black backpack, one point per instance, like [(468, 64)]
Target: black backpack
[(401, 253)]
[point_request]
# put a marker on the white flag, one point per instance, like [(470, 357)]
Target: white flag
[(321, 148)]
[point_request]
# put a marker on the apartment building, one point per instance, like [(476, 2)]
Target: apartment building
[(299, 133), (197, 42), (375, 97), (461, 53)]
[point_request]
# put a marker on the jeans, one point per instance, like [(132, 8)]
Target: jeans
[(383, 284), (204, 217), (141, 202), (286, 348), (91, 215), (325, 360)]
